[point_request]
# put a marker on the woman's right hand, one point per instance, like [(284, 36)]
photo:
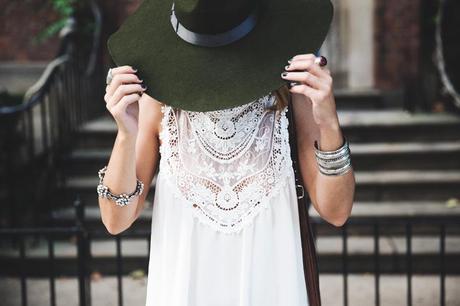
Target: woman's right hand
[(121, 97)]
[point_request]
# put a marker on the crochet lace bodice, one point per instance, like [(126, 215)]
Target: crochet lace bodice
[(226, 164)]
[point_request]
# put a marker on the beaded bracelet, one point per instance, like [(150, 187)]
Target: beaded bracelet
[(120, 199), (335, 162)]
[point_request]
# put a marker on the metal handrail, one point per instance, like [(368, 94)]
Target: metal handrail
[(38, 132), (440, 60), (35, 93)]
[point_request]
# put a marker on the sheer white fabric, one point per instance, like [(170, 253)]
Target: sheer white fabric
[(225, 226)]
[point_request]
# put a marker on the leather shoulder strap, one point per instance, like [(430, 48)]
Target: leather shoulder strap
[(310, 261)]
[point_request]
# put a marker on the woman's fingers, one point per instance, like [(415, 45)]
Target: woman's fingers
[(309, 65), (308, 56), (121, 79), (121, 106), (304, 77), (123, 69), (307, 91), (123, 90), (121, 75)]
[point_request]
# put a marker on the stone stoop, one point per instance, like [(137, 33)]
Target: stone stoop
[(405, 165)]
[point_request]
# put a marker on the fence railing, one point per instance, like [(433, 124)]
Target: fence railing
[(439, 264), (82, 265), (36, 133)]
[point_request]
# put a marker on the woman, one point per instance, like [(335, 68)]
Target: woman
[(225, 222)]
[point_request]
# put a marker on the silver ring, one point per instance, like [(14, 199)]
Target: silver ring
[(109, 76)]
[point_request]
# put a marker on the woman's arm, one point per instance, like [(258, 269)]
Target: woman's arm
[(316, 119), (332, 196), (132, 156)]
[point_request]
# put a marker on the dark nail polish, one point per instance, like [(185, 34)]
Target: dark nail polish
[(289, 61), (286, 67), (143, 86), (135, 69), (284, 74)]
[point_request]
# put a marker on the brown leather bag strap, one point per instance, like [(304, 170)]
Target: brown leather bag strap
[(310, 261)]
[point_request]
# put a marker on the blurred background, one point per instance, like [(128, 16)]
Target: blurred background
[(396, 72)]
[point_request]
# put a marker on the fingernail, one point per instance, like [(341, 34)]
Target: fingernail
[(284, 74), (143, 86), (287, 67), (290, 61), (135, 69)]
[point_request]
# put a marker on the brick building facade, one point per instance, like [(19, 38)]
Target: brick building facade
[(397, 41), (396, 34)]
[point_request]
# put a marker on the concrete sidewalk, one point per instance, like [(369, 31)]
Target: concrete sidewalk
[(425, 291)]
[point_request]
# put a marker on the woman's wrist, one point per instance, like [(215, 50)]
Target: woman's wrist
[(126, 137), (331, 136)]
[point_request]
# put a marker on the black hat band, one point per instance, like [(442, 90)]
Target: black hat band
[(214, 40)]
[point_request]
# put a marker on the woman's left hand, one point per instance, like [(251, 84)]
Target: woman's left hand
[(315, 85)]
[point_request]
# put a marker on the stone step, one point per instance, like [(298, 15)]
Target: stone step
[(366, 156), (432, 185), (393, 289), (363, 214), (398, 126), (434, 155), (367, 99), (391, 185), (357, 125)]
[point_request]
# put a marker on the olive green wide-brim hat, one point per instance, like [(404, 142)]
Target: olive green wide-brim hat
[(202, 78)]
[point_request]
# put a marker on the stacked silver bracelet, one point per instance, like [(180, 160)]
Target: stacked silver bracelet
[(120, 199), (336, 162)]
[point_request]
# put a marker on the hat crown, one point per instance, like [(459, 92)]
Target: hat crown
[(213, 16)]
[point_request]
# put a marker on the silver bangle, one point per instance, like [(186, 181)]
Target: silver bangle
[(120, 199), (334, 153), (335, 162), (338, 171)]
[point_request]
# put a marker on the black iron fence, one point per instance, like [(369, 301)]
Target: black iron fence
[(442, 263), (407, 262)]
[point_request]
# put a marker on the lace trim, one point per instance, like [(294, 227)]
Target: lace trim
[(229, 139), (204, 197)]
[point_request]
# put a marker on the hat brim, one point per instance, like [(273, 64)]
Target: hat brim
[(198, 78)]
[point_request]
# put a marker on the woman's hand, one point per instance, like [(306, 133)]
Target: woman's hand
[(121, 96), (315, 85)]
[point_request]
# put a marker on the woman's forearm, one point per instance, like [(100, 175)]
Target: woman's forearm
[(120, 177), (334, 193)]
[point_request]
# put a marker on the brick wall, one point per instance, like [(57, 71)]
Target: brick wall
[(396, 34), (397, 41), (20, 21)]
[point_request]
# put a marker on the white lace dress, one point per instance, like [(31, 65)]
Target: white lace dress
[(225, 228)]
